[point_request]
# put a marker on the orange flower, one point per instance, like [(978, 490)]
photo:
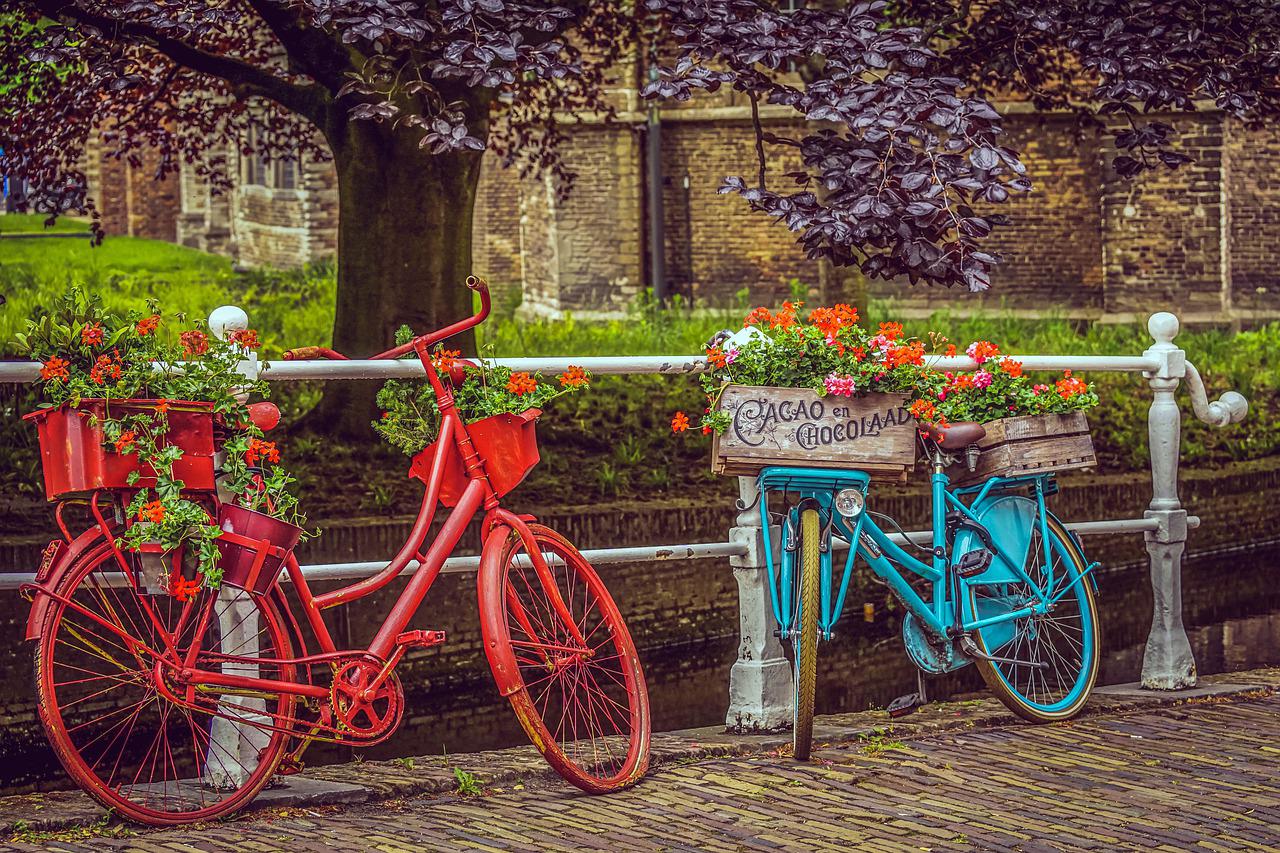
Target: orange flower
[(1069, 386), (248, 338), (259, 449), (162, 406), (91, 334), (911, 354), (757, 316), (181, 588), (892, 331), (786, 318), (859, 353), (980, 351), (194, 342), (124, 443), (147, 325), (680, 422), (521, 384), (961, 382), (443, 359), (103, 369), (716, 358), (574, 377), (831, 320), (951, 350), (923, 410), (55, 369), (153, 512), (1011, 367)]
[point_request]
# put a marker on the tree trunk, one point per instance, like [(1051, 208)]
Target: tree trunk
[(404, 253), (843, 284)]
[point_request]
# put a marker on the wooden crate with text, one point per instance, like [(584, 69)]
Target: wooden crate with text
[(795, 426), (1031, 444)]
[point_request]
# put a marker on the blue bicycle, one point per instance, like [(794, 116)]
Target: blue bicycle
[(1004, 586)]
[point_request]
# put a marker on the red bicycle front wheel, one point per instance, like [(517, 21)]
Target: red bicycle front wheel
[(578, 688), (115, 726)]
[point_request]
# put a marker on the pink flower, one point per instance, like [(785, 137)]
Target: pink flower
[(731, 356), (942, 395), (836, 384), (982, 379)]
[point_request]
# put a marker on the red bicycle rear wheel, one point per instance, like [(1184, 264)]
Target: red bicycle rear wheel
[(121, 736), (578, 691)]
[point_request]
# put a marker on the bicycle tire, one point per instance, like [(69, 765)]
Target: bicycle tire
[(806, 640)]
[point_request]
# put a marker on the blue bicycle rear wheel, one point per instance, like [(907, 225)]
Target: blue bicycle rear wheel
[(1048, 662)]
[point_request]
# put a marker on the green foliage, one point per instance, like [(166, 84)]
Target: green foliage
[(468, 784)]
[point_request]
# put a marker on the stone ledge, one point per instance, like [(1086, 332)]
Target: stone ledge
[(432, 775)]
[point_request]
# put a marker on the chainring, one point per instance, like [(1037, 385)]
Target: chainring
[(369, 716)]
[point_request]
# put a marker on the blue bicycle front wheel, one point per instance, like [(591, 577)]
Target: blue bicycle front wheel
[(1046, 663)]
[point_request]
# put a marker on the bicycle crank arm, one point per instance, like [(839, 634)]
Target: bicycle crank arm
[(970, 648)]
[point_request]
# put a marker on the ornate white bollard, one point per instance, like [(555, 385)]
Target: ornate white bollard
[(760, 694)]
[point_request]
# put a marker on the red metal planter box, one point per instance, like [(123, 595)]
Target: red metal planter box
[(508, 445), (75, 459)]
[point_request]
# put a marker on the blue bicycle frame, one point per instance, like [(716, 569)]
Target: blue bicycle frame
[(1000, 515)]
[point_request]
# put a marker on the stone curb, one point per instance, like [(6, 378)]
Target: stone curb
[(433, 775)]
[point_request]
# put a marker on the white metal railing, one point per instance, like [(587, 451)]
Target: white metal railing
[(760, 680)]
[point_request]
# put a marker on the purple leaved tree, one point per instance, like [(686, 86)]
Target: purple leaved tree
[(900, 168)]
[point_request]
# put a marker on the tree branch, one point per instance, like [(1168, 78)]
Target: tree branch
[(250, 79), (318, 55)]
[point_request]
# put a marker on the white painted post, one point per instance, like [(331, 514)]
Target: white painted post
[(1168, 663), (760, 681)]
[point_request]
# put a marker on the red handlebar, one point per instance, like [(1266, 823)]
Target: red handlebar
[(473, 282)]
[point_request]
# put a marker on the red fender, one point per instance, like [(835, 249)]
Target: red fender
[(502, 658), (58, 557)]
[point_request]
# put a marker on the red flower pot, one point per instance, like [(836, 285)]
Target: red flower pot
[(252, 547), (508, 445), (75, 459)]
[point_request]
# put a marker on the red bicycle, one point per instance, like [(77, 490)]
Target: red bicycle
[(173, 711)]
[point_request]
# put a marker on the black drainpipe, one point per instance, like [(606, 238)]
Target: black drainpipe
[(653, 169)]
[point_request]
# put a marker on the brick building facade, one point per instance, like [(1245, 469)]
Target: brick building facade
[(1087, 243)]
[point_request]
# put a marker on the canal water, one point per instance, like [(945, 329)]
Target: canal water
[(1232, 609)]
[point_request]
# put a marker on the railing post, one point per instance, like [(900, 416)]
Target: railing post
[(760, 681), (1167, 663)]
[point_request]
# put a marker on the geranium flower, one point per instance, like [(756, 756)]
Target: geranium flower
[(247, 338), (194, 342), (951, 350), (55, 370), (1011, 367), (892, 331), (731, 356), (259, 449), (923, 410), (91, 334), (181, 588), (521, 383), (786, 318), (443, 359), (103, 369), (980, 351), (842, 386), (757, 316), (163, 406), (716, 358), (831, 320), (982, 379), (911, 354), (1069, 386), (147, 325), (153, 512), (680, 422), (574, 377), (125, 442)]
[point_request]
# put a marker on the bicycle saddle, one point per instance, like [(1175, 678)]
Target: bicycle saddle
[(958, 436)]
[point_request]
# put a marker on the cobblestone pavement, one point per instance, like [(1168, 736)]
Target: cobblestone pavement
[(1203, 775)]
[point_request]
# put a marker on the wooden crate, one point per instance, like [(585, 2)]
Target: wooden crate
[(1032, 444), (794, 426)]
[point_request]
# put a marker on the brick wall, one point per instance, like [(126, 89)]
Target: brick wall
[(132, 202), (1253, 200)]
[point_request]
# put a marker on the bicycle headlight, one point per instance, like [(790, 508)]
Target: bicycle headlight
[(849, 502)]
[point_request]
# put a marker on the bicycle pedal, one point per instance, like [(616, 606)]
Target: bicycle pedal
[(973, 563), (904, 705), (420, 639)]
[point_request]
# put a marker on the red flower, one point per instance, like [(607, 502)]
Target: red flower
[(951, 350), (574, 377), (259, 449), (55, 369), (923, 410), (1011, 367), (91, 334), (716, 358), (153, 512), (521, 384), (194, 342), (680, 422), (706, 430), (757, 316), (248, 338), (831, 320), (980, 351), (124, 443), (1069, 386), (181, 588), (911, 354), (786, 318), (162, 406), (892, 331), (442, 360), (147, 325), (103, 369), (859, 353)]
